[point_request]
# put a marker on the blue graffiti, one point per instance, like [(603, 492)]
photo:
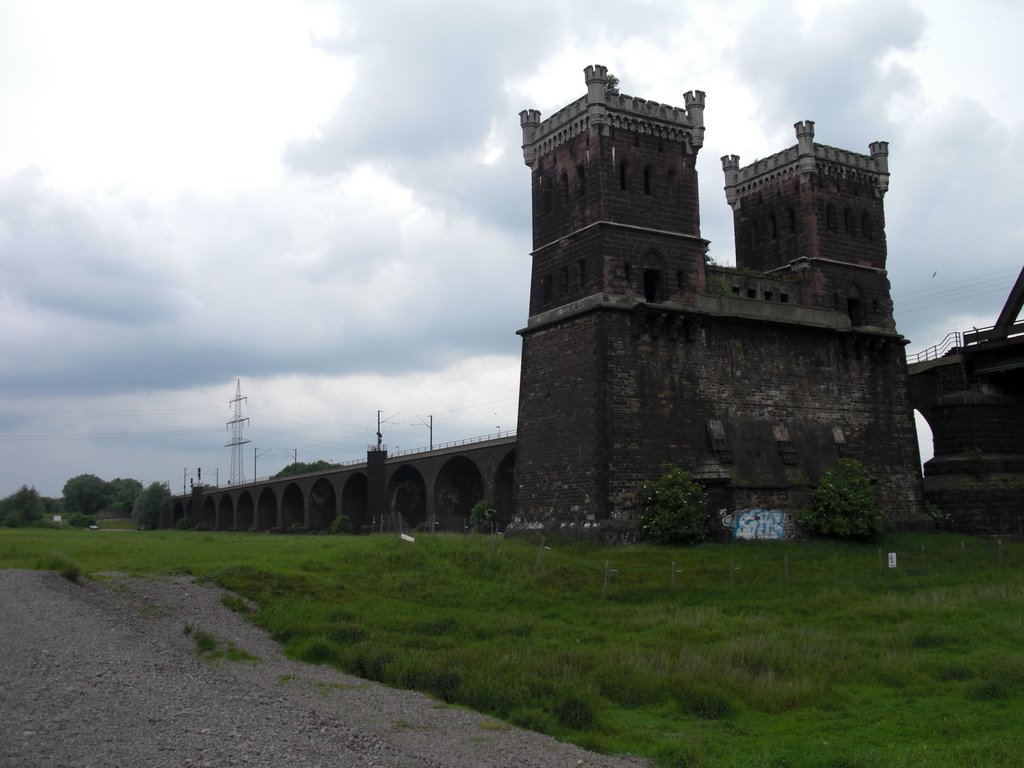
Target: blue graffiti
[(760, 524)]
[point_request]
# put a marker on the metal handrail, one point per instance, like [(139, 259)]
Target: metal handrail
[(949, 345)]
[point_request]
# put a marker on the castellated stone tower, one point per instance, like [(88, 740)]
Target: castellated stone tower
[(637, 354)]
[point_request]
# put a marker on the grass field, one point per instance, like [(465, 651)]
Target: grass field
[(749, 654)]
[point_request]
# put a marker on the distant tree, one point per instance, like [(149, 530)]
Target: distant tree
[(85, 495), (52, 506), (152, 507), (611, 85), (23, 507), (675, 509), (121, 493), (301, 467)]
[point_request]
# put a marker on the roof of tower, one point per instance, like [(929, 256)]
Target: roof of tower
[(600, 108), (807, 157)]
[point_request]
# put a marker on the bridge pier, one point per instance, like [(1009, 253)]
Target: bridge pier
[(975, 481)]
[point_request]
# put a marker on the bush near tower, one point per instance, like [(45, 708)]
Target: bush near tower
[(675, 509), (844, 504)]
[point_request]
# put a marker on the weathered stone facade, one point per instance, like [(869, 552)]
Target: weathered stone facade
[(637, 353)]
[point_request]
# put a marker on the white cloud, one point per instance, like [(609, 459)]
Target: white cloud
[(327, 199)]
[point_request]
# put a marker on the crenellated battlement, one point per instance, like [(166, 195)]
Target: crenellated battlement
[(599, 110), (806, 158)]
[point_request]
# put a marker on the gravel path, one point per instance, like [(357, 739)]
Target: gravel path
[(101, 673)]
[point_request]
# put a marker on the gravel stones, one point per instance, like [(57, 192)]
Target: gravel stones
[(105, 673)]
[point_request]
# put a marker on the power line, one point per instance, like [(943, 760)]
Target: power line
[(105, 435)]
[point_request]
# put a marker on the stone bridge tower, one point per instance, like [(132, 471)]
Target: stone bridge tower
[(616, 227), (637, 353)]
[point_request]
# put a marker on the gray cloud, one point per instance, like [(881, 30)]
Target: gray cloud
[(836, 70)]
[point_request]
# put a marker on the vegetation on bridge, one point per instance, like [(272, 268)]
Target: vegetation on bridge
[(751, 654)]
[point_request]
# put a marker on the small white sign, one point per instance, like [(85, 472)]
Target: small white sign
[(57, 518), (407, 537), (892, 559)]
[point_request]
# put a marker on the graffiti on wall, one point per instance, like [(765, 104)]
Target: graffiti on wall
[(750, 524)]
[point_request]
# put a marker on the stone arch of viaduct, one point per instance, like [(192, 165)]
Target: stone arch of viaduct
[(432, 490)]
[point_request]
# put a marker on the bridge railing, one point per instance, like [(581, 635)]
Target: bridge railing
[(949, 345), (955, 341), (454, 443), (978, 335)]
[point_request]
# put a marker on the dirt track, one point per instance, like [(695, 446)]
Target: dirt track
[(103, 674)]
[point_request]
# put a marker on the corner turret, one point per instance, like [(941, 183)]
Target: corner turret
[(880, 154), (805, 145), (597, 82), (694, 101), (529, 119), (731, 168)]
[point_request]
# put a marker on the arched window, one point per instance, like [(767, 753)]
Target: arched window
[(581, 183), (865, 226), (622, 175), (563, 182), (791, 214), (855, 305), (773, 228), (830, 217), (652, 284), (647, 179), (848, 222)]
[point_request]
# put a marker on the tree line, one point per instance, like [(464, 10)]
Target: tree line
[(86, 497)]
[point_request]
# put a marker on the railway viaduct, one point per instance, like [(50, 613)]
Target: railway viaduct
[(429, 489)]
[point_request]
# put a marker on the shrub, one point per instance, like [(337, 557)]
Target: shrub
[(79, 520), (575, 709), (65, 567), (341, 525), (844, 504), (675, 509), (481, 517), (202, 525), (183, 524), (296, 528)]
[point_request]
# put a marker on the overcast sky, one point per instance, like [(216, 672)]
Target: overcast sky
[(328, 201)]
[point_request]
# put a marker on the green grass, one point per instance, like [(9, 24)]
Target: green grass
[(764, 654)]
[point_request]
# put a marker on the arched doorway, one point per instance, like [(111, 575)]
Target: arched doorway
[(353, 502), (225, 513), (292, 505), (407, 499), (209, 515), (244, 517), (323, 505), (266, 511), (459, 487)]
